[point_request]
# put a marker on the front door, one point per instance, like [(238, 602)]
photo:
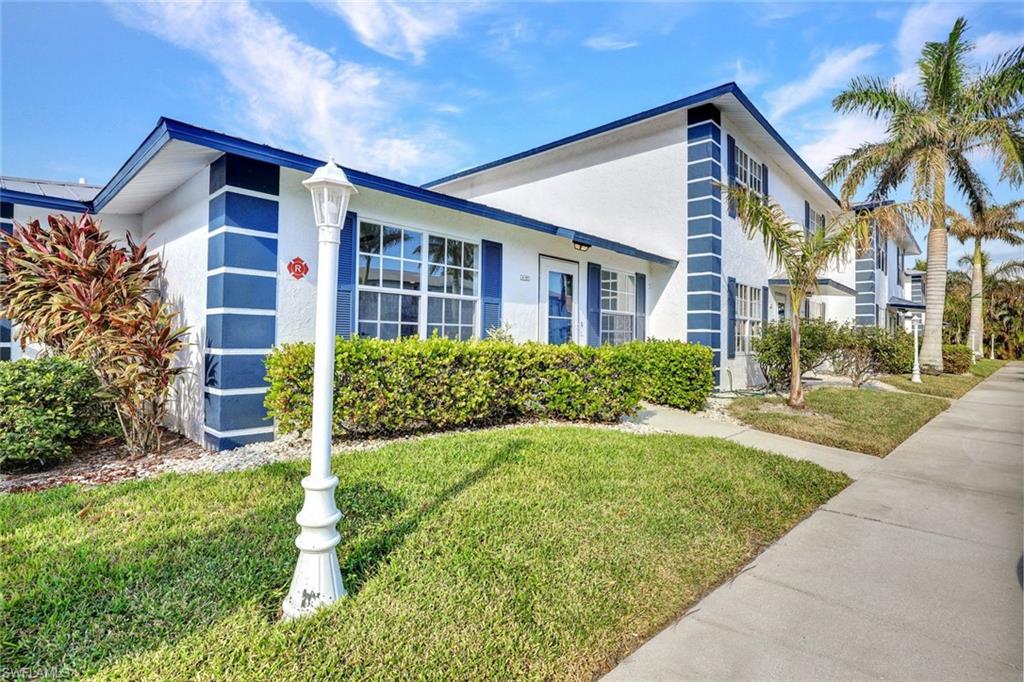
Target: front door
[(559, 302)]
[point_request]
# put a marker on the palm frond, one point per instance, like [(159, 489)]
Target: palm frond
[(874, 97)]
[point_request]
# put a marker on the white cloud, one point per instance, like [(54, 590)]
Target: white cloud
[(837, 68), (838, 135), (746, 77), (921, 24), (606, 43), (992, 45), (289, 92), (402, 29)]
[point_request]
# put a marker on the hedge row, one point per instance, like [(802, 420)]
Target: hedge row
[(390, 387)]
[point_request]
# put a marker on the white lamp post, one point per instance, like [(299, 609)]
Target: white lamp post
[(916, 376), (317, 580)]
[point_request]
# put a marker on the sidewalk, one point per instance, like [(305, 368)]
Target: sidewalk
[(853, 464), (913, 572)]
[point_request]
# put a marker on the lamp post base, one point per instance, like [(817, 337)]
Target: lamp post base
[(317, 580)]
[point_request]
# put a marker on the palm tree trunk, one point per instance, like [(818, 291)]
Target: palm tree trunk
[(977, 323), (796, 391), (935, 281)]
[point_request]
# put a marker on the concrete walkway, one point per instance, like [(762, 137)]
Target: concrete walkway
[(913, 572), (853, 464)]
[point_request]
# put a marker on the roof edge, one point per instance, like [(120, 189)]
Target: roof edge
[(168, 129), (41, 201), (730, 88)]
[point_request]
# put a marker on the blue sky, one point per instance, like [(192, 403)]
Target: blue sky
[(415, 91)]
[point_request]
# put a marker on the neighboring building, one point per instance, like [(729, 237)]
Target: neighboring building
[(613, 234)]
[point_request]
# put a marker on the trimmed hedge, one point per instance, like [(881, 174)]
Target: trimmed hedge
[(46, 406), (956, 358), (390, 387), (673, 373)]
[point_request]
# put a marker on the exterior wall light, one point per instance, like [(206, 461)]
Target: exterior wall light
[(317, 579), (580, 246)]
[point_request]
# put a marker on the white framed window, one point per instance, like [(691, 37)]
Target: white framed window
[(749, 171), (742, 167), (453, 275), (817, 219), (618, 307), (748, 317), (411, 283)]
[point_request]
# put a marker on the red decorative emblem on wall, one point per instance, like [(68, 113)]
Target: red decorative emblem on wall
[(298, 268)]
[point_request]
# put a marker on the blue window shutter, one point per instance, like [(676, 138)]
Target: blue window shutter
[(730, 159), (731, 332), (807, 218), (345, 308), (641, 307), (764, 179), (490, 289), (764, 307), (593, 304)]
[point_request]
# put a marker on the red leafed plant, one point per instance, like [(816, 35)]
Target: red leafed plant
[(81, 294)]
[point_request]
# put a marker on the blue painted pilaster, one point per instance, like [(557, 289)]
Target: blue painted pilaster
[(6, 228), (241, 299), (704, 230)]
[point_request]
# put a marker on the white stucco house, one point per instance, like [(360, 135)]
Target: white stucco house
[(611, 234)]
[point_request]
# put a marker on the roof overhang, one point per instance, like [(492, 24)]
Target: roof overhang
[(729, 99), (903, 304), (822, 286), (175, 151), (42, 201)]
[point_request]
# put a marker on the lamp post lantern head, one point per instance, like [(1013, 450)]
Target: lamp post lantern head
[(331, 191)]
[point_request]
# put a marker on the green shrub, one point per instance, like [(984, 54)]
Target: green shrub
[(46, 406), (895, 352), (861, 352), (956, 358), (672, 372), (389, 387), (817, 341)]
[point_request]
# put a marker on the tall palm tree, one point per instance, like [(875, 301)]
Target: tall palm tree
[(804, 257), (930, 136), (996, 223)]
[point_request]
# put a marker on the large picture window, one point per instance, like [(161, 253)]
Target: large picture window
[(748, 317), (396, 299), (618, 307)]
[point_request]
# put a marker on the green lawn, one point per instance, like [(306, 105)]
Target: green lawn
[(946, 385), (534, 552), (864, 420)]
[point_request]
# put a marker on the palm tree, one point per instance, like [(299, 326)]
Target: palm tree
[(930, 136), (804, 258), (996, 222)]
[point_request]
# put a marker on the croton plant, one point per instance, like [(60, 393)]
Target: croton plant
[(80, 293)]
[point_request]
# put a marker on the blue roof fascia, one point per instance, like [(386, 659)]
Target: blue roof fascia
[(692, 100), (897, 302), (635, 118), (168, 129), (153, 143), (52, 203), (821, 282)]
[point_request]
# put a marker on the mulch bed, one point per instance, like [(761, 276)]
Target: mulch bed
[(97, 463)]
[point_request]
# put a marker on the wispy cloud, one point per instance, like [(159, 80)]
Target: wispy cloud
[(291, 93), (608, 43), (992, 45), (837, 135), (837, 67), (745, 76), (402, 29)]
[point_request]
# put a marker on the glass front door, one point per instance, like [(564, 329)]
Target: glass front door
[(559, 303)]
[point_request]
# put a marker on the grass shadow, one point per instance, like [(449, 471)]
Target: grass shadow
[(364, 559)]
